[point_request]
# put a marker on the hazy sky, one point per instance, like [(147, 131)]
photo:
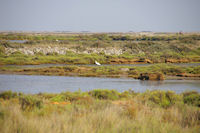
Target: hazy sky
[(100, 15)]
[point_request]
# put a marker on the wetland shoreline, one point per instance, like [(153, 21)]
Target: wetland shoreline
[(151, 72)]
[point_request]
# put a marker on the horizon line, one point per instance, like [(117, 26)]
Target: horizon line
[(85, 31)]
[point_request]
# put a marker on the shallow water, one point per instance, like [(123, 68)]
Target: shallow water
[(17, 41), (53, 65), (57, 84)]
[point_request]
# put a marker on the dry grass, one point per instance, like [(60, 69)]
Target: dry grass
[(100, 117)]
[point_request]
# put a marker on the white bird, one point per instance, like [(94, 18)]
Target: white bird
[(97, 63)]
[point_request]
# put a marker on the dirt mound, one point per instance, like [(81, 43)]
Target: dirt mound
[(151, 76)]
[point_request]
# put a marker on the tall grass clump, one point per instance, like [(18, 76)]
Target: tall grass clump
[(8, 95), (104, 94), (164, 99), (192, 98), (29, 103)]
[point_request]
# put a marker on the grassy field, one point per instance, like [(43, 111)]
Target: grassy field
[(105, 48), (100, 111)]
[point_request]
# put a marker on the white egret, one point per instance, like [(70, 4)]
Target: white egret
[(97, 63)]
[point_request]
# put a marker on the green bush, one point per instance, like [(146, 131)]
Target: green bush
[(191, 98), (58, 98), (46, 95), (8, 94), (164, 99), (104, 94), (128, 94), (159, 98), (29, 103), (172, 97)]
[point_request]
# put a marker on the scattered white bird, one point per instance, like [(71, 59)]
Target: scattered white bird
[(56, 40), (97, 63)]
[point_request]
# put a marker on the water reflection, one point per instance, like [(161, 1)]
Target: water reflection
[(57, 84), (151, 83)]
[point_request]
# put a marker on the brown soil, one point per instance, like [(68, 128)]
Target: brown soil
[(177, 61), (129, 61)]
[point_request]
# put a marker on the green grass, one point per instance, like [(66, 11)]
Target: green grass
[(101, 111), (74, 58), (156, 47), (108, 71), (71, 58)]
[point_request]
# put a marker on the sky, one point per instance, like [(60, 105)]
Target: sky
[(100, 15)]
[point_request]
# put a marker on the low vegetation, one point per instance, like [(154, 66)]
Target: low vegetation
[(100, 111), (149, 72), (105, 48)]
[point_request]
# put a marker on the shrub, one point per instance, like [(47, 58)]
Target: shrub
[(52, 53), (46, 95), (125, 94), (162, 98), (159, 98), (2, 50), (100, 36), (74, 96), (58, 98), (8, 94), (29, 103), (172, 97), (104, 94), (70, 68), (6, 44), (128, 94), (191, 98)]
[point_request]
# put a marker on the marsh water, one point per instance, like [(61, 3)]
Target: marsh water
[(56, 84), (17, 41), (54, 65)]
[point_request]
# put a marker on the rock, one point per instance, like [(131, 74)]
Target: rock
[(125, 69), (131, 69), (151, 76)]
